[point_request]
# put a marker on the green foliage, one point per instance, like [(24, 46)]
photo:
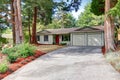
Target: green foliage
[(97, 7), (7, 31), (62, 20), (12, 56), (115, 11), (26, 36), (12, 53), (3, 67), (63, 43), (9, 50), (87, 18), (68, 5), (45, 10), (3, 41), (26, 50), (21, 50)]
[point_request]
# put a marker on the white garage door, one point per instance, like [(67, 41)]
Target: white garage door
[(94, 39), (87, 39), (79, 39)]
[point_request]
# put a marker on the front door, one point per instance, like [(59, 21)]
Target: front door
[(57, 39)]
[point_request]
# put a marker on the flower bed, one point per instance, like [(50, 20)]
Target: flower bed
[(19, 63)]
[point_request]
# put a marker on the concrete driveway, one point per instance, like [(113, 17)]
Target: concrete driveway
[(70, 63)]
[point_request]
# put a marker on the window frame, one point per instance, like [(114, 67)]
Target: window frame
[(46, 38), (67, 36)]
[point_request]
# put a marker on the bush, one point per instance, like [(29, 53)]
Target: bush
[(3, 67), (21, 50), (12, 57), (26, 50), (63, 43), (9, 50), (2, 41)]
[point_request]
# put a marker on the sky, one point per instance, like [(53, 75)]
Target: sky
[(81, 9)]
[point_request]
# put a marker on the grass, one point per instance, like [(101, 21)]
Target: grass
[(48, 48), (114, 59)]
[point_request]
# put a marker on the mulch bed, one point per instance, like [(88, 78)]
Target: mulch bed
[(20, 62)]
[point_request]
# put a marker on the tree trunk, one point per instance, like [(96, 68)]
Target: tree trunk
[(33, 39), (29, 30), (13, 20), (18, 22), (109, 28)]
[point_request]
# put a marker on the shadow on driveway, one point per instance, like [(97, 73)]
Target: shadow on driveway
[(74, 50), (79, 50)]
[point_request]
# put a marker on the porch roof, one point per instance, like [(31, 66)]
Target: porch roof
[(57, 31)]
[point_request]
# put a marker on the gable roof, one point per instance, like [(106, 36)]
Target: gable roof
[(69, 30), (90, 29), (44, 32)]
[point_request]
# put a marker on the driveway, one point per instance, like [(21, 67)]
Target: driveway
[(70, 63)]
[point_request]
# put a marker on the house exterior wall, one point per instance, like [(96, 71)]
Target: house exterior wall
[(87, 38), (50, 39)]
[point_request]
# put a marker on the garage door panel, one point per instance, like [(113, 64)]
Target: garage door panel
[(79, 39), (94, 39)]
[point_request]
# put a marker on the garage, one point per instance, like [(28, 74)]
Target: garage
[(79, 39), (87, 37)]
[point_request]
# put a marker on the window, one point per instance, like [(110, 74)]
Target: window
[(65, 37), (45, 37), (38, 38)]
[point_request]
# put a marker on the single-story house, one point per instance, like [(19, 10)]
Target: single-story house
[(87, 36)]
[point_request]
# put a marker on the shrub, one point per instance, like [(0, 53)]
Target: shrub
[(2, 41), (21, 50), (63, 43), (26, 50), (12, 57), (3, 67), (9, 50)]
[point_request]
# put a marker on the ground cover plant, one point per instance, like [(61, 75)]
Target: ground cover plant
[(114, 59), (3, 66), (23, 50)]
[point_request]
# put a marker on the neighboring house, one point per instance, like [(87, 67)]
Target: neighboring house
[(87, 36)]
